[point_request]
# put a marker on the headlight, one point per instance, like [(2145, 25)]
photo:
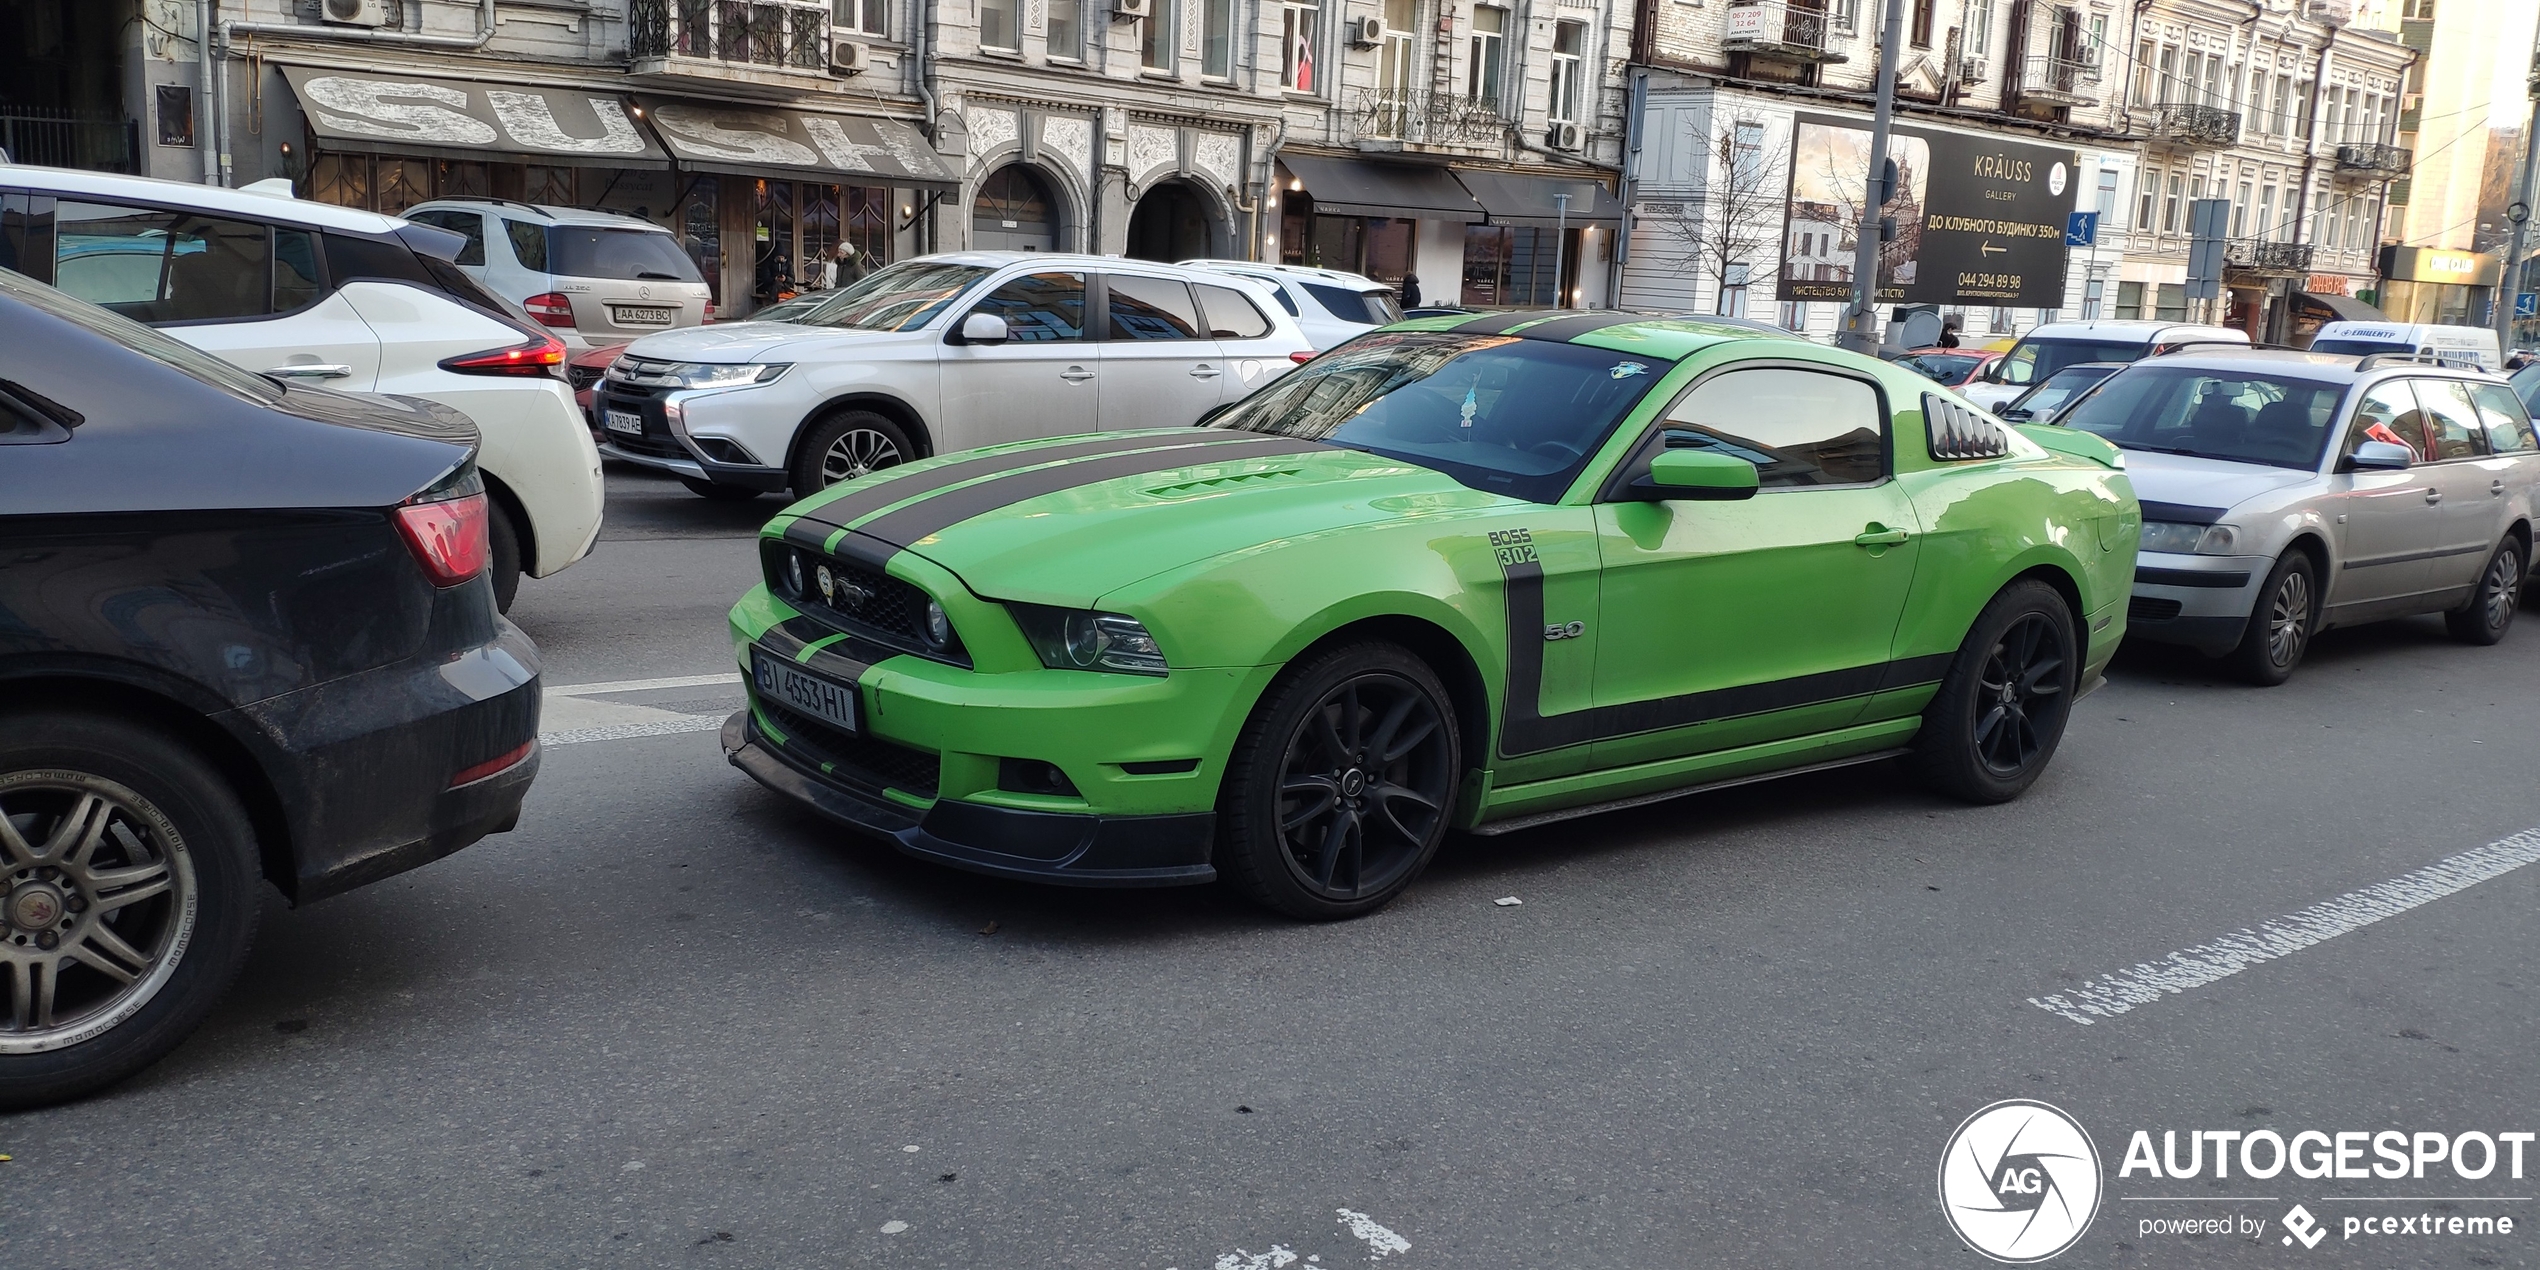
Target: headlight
[(938, 626), (1078, 639), (720, 374), (2189, 540)]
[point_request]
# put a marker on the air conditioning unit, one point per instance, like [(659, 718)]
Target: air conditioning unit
[(1131, 10), (355, 12), (1367, 33), (1971, 70), (1565, 136), (849, 57)]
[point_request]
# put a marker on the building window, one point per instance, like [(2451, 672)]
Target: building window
[(2169, 206), (870, 17), (2147, 185), (1733, 279), (2170, 302), (2328, 231), (2129, 299), (1921, 34), (1067, 30), (1156, 43), (1847, 16), (1746, 161), (1217, 38), (1511, 266), (996, 24), (2217, 92), (1299, 25), (2190, 74), (2092, 292), (2266, 214), (2169, 75), (2302, 109), (1979, 28), (1569, 39), (2240, 213), (1794, 315), (2108, 197), (1393, 63), (1490, 40), (2002, 323)]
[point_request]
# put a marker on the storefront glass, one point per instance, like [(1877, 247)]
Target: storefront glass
[(1510, 266)]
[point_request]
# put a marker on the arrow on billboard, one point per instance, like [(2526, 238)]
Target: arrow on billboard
[(1991, 250)]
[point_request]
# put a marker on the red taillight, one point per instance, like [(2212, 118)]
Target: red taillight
[(450, 538), (709, 311), (498, 763), (1301, 356), (551, 309), (539, 356)]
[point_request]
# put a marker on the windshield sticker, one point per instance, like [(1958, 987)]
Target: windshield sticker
[(1470, 407), (1625, 370)]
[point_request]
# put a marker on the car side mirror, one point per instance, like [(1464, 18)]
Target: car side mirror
[(2012, 414), (1705, 475), (2379, 456), (985, 328)]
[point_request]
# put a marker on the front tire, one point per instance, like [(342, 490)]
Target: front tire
[(2000, 711), (2280, 627), (2490, 610), (844, 446), (1341, 785), (130, 880)]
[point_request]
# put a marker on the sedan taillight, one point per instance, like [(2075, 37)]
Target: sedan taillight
[(448, 534), (550, 308), (536, 357)]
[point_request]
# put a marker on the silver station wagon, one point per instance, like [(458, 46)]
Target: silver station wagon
[(2285, 493)]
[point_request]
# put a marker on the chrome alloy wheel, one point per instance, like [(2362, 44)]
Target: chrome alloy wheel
[(99, 904), (856, 452), (2019, 693), (2289, 618), (1362, 786), (2504, 588)]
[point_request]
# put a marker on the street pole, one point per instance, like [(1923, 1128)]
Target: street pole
[(1860, 326), (2509, 286), (1560, 244)]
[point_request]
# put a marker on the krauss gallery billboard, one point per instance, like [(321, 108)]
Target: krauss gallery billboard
[(1979, 220)]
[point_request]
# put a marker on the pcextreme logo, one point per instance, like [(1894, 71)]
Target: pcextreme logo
[(2019, 1181)]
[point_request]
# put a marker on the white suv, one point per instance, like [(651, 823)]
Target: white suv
[(937, 354), (594, 278), (1328, 305), (342, 298)]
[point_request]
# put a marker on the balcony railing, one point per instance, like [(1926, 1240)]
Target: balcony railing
[(2197, 125), (2372, 159), (1424, 118), (2062, 80), (777, 35), (2284, 258), (1792, 30), (101, 141)]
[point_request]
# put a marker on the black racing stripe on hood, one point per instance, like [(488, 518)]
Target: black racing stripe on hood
[(1562, 330), (905, 526), (872, 497), (1502, 323)]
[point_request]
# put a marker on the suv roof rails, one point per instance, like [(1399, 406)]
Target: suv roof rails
[(489, 198), (2448, 361)]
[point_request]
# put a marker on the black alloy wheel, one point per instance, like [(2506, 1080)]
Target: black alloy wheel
[(2000, 711), (2020, 698), (1342, 784)]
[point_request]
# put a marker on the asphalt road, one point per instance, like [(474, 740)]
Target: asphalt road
[(671, 1021)]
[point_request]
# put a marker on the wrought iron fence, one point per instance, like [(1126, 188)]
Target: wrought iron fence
[(1413, 115), (1788, 24), (2046, 75), (787, 34), (2269, 257), (2200, 125), (59, 137), (2373, 159)]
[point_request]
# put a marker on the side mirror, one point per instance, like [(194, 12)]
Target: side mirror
[(985, 328), (2379, 456), (1705, 475), (2012, 414)]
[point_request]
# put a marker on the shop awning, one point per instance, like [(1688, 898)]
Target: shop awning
[(2347, 308), (804, 144), (1531, 200), (1354, 187), (431, 117)]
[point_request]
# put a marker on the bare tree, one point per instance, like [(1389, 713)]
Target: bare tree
[(1734, 226)]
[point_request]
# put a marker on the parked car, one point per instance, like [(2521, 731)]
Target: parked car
[(248, 635), (2472, 346), (2048, 397), (1440, 310), (328, 295), (1949, 367), (942, 353), (2285, 493), (2056, 345), (1329, 306), (582, 372), (2526, 384), (593, 278), (1419, 584)]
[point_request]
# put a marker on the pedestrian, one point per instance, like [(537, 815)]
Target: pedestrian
[(1949, 335), (1411, 291), (846, 265)]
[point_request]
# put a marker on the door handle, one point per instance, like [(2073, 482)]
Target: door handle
[(2433, 496), (2496, 486), (311, 371), (1205, 371), (1878, 535), (1075, 374)]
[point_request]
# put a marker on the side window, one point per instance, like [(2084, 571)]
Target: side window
[(466, 224), (296, 282), (26, 234), (2508, 427), (1798, 427), (529, 244), (1231, 315), (162, 265), (349, 259), (1279, 293), (1151, 309), (2388, 413), (2452, 423), (1040, 308)]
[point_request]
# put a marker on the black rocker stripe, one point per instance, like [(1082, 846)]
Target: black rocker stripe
[(909, 524), (1528, 731), (862, 501)]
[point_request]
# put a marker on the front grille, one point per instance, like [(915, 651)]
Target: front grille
[(657, 447), (2144, 608), (857, 760), (865, 601), (582, 377)]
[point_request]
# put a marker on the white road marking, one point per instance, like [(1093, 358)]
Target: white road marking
[(2110, 995), (1381, 1243), (673, 725), (642, 685), (1279, 1255)]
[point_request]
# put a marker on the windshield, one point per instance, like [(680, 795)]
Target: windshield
[(2045, 399), (147, 341), (1501, 414), (2033, 360), (576, 251), (901, 297), (1946, 368), (2238, 416), (2527, 386)]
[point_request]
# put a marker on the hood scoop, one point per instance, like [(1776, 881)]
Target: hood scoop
[(1218, 484)]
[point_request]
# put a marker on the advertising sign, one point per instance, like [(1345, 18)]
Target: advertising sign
[(1979, 220)]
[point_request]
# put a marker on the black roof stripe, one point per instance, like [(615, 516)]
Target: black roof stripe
[(1557, 325), (863, 500), (909, 524)]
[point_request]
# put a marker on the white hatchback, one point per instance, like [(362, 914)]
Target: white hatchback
[(329, 295), (937, 354)]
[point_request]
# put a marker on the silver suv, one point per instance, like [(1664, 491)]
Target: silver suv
[(594, 278), (2284, 493)]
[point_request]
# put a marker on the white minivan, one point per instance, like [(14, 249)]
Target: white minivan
[(2458, 345), (2056, 345)]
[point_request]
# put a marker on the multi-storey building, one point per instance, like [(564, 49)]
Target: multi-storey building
[(1451, 139)]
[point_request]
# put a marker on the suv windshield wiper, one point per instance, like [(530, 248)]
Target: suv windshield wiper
[(656, 273)]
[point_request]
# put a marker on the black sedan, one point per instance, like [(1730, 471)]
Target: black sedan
[(245, 633)]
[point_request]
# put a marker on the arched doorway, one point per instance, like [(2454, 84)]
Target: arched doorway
[(1014, 212), (1170, 223)]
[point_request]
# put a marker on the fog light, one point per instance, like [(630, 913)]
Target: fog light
[(1033, 776)]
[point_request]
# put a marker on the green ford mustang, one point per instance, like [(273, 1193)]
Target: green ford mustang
[(1467, 572)]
